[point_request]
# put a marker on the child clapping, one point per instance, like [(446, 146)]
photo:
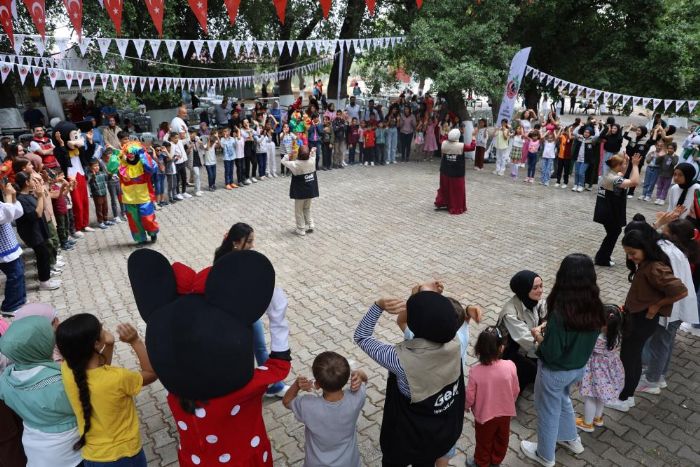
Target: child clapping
[(331, 419)]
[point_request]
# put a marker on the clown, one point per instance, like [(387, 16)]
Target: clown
[(135, 168), (298, 125), (199, 338)]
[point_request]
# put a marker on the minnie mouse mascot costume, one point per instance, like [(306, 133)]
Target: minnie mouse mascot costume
[(199, 338)]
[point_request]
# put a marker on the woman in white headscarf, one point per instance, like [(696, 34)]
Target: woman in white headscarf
[(452, 193)]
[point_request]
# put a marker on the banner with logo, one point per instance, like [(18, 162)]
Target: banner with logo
[(515, 78)]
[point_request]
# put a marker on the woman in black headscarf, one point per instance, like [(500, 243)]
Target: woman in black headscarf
[(525, 311), (681, 196)]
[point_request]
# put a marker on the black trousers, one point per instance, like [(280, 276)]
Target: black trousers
[(638, 329), (564, 166), (327, 150), (612, 233), (250, 159), (525, 366), (405, 145), (43, 261), (240, 170), (592, 171), (181, 170)]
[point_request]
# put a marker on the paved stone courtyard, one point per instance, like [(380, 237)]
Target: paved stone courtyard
[(377, 235)]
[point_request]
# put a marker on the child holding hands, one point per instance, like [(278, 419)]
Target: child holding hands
[(331, 419), (102, 395)]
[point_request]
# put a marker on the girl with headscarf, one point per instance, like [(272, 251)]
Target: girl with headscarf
[(684, 191), (47, 311), (525, 311), (33, 387), (452, 194)]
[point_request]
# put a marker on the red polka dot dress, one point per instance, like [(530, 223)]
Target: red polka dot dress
[(229, 430)]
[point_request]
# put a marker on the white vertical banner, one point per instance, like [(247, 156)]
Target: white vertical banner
[(515, 78)]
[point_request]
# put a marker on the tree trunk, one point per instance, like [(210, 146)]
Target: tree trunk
[(532, 98), (455, 102), (349, 29), (495, 107)]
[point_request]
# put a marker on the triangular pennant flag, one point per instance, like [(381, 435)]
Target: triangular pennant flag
[(53, 76), (691, 106), (232, 9), (168, 83), (37, 12), (122, 44), (236, 47), (259, 45), (61, 43), (68, 76), (155, 45), (300, 46), (156, 8), (160, 83), (6, 20), (645, 101), (370, 6), (625, 100), (606, 96), (679, 105), (92, 77), (198, 44), (132, 82), (419, 3), (199, 8), (281, 7), (104, 79), (170, 45), (615, 98), (79, 76), (138, 45), (580, 91), (249, 47), (151, 80), (211, 46), (83, 45), (184, 47), (114, 11), (115, 78), (667, 104), (636, 100), (23, 71), (224, 47), (656, 103), (74, 8), (38, 42), (103, 43), (290, 47), (325, 7), (36, 72)]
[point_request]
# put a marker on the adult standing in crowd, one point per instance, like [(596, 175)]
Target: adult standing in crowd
[(110, 133), (406, 130), (575, 318), (33, 117), (304, 187), (611, 203), (222, 112), (525, 311), (11, 262), (179, 125), (452, 193), (353, 109), (613, 142)]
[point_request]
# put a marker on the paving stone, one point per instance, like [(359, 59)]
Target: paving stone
[(377, 235)]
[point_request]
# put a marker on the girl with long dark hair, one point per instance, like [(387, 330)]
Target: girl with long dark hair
[(102, 396), (241, 237), (575, 317), (653, 291)]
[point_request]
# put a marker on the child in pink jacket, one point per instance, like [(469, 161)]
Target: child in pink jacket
[(491, 393)]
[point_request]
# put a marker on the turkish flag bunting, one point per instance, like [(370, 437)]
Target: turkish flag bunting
[(199, 8), (370, 6), (114, 10), (156, 8), (232, 8), (326, 7), (419, 3), (75, 15), (281, 7), (6, 20), (38, 14)]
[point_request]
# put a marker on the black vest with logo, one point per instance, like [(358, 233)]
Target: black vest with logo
[(611, 203), (421, 432), (304, 186)]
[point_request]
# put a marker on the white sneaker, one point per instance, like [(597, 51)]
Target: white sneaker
[(556, 185), (641, 197), (620, 406), (393, 162), (530, 450), (253, 179), (262, 178), (59, 264), (198, 193), (687, 327), (301, 233), (646, 199), (662, 382), (279, 393), (372, 164), (660, 202), (51, 284), (344, 164), (563, 186), (117, 220), (365, 164), (247, 182), (647, 386), (575, 188), (186, 195), (546, 184), (580, 189), (88, 229), (574, 446), (179, 197), (55, 272)]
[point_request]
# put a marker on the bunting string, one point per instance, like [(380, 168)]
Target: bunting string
[(229, 48), (607, 96), (146, 83)]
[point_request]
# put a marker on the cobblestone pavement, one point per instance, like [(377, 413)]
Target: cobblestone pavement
[(377, 234)]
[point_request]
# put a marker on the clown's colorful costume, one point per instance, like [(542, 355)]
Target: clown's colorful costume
[(135, 168)]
